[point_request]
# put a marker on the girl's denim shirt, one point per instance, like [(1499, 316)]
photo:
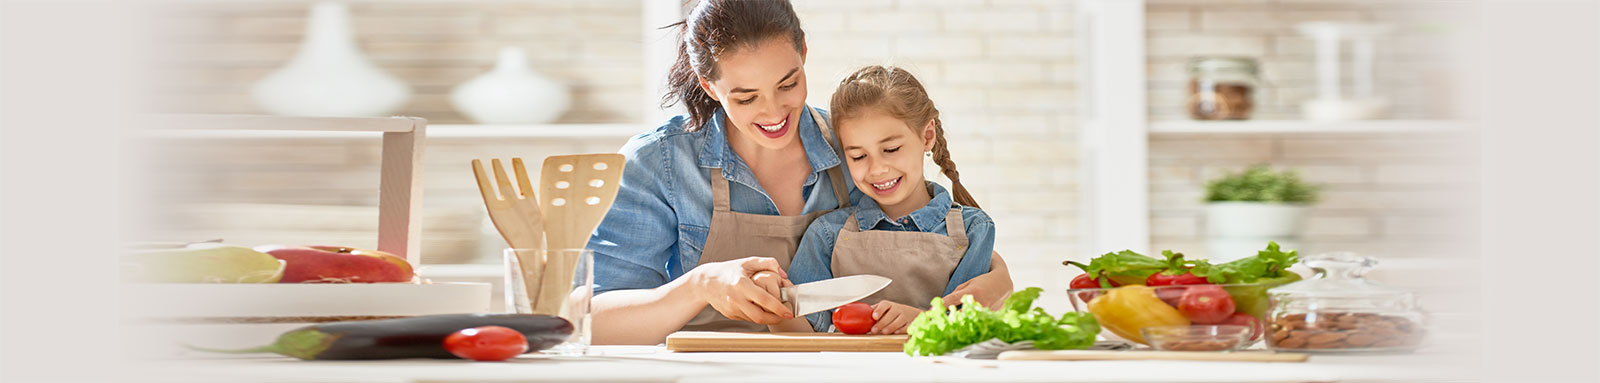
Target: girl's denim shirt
[(662, 214), (814, 259)]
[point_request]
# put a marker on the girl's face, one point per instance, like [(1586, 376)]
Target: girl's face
[(885, 159), (762, 89)]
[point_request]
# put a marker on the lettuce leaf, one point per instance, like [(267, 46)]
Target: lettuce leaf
[(945, 329), (1123, 266), (1269, 263)]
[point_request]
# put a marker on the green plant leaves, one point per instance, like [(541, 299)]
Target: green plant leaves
[(1260, 183)]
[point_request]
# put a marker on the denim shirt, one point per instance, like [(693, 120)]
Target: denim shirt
[(813, 261), (658, 224)]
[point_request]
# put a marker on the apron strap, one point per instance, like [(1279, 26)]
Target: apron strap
[(840, 191), (719, 191), (956, 226), (850, 224)]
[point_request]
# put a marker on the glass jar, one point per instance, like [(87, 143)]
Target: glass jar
[(1339, 310), (1222, 88)]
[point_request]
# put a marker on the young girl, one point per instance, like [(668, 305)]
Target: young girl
[(923, 237)]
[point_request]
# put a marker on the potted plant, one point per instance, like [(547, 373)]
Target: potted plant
[(1246, 209)]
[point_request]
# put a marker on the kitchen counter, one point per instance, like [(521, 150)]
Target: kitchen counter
[(656, 364)]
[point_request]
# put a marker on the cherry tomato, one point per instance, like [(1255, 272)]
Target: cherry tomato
[(1208, 304), (854, 318), (1082, 281), (487, 343), (1171, 295), (1243, 319), (1164, 279)]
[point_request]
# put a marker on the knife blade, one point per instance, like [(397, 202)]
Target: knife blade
[(806, 298)]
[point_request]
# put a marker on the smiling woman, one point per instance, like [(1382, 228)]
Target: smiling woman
[(709, 199)]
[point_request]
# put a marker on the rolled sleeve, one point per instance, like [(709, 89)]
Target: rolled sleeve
[(636, 239), (980, 249), (813, 261)]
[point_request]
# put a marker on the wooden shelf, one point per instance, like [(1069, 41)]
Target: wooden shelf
[(1301, 126)]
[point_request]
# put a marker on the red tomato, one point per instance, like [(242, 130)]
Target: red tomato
[(1171, 295), (1243, 319), (854, 318), (487, 343), (1206, 304), (1163, 279), (1082, 281)]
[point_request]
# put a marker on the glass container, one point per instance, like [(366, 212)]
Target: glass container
[(1339, 310)]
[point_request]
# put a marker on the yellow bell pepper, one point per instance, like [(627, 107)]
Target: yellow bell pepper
[(1125, 310)]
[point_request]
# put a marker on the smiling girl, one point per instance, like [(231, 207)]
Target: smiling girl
[(926, 239)]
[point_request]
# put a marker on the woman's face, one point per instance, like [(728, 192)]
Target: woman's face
[(885, 158), (762, 88)]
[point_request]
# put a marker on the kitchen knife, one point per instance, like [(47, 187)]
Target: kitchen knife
[(806, 298)]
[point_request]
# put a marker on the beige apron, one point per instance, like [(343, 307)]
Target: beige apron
[(919, 263), (735, 235)]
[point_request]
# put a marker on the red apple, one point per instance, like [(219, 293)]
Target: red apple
[(338, 264)]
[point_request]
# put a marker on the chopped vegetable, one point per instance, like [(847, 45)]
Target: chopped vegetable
[(413, 337), (1123, 267), (486, 343), (945, 329), (854, 318), (1125, 310), (1206, 304), (1268, 269), (1269, 263)]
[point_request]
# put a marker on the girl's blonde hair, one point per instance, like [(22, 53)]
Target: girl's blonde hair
[(897, 93)]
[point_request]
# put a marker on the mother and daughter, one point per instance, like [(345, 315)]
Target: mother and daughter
[(752, 180)]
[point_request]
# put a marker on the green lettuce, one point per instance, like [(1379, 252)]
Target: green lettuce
[(944, 329)]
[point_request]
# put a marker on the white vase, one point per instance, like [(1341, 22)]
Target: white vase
[(1253, 219), (1238, 229), (511, 93), (329, 76)]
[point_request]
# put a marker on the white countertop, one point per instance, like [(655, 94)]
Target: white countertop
[(655, 364)]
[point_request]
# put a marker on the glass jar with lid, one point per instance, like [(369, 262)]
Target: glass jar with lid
[(1339, 310), (1222, 88)]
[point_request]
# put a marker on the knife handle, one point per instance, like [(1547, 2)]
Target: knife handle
[(789, 296)]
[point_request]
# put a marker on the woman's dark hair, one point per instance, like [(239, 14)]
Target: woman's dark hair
[(895, 92), (714, 28)]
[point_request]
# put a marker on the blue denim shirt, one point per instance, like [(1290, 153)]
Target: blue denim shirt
[(814, 259), (658, 224)]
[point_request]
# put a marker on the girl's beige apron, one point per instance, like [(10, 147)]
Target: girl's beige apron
[(920, 264), (735, 235)]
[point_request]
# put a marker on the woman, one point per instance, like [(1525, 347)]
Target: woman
[(711, 198)]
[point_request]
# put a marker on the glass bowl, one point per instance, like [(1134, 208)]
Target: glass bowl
[(1198, 337), (1338, 310), (1124, 311)]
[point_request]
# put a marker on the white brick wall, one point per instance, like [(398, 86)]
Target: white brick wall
[(1003, 72)]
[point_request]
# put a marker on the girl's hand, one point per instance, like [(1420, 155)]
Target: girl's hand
[(729, 288), (892, 318), (989, 289)]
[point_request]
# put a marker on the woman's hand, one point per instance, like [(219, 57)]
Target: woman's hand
[(989, 289), (892, 318), (729, 288)]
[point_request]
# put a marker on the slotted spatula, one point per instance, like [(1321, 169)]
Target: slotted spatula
[(575, 192)]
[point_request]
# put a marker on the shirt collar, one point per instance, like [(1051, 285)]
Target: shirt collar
[(716, 152), (868, 213)]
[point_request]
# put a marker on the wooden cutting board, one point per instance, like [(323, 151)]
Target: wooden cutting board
[(1241, 356), (707, 341)]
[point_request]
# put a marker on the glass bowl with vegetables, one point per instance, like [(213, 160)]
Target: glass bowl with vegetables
[(1126, 291)]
